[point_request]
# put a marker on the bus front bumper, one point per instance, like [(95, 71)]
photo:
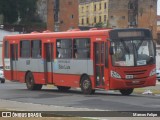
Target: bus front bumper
[(116, 84)]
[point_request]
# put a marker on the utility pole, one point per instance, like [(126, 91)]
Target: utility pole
[(50, 15)]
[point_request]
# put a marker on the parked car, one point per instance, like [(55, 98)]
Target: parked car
[(2, 79), (158, 74)]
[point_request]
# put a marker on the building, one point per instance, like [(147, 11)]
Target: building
[(60, 15), (158, 29), (92, 12), (2, 34), (158, 23), (119, 13), (139, 13)]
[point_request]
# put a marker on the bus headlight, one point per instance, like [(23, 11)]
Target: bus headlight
[(153, 72), (115, 74)]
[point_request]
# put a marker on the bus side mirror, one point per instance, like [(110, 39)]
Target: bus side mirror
[(111, 51)]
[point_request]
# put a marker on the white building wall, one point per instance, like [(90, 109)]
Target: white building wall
[(0, 54), (2, 34), (158, 56)]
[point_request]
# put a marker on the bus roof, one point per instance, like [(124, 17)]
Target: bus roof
[(73, 33), (36, 35)]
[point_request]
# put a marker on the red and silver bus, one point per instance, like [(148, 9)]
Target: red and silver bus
[(110, 59)]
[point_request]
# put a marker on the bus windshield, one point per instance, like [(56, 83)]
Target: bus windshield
[(133, 52)]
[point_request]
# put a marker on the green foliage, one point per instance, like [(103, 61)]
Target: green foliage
[(9, 9), (14, 9), (26, 9), (99, 25)]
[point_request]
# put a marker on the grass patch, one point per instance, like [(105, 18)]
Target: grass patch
[(142, 90)]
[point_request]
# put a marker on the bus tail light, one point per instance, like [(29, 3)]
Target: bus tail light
[(115, 74), (153, 72)]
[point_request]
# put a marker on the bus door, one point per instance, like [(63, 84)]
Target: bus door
[(14, 60), (99, 58), (48, 66)]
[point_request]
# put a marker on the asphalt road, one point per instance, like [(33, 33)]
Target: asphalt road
[(101, 100)]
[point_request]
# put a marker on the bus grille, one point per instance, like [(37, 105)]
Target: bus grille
[(137, 72)]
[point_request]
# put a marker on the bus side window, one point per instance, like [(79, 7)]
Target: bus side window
[(106, 55), (64, 48), (6, 49), (76, 54), (36, 48), (25, 49), (81, 48)]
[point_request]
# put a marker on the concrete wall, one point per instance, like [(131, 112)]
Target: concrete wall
[(147, 15), (50, 15), (158, 26), (158, 56), (0, 53), (118, 13), (68, 15), (145, 12)]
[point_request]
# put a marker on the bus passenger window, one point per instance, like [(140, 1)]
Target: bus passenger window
[(6, 51), (106, 55), (25, 49), (36, 49), (64, 48), (75, 54), (82, 48)]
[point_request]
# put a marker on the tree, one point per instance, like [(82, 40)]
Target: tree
[(99, 25), (14, 9), (27, 10), (9, 10)]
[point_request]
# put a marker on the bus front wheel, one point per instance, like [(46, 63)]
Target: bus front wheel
[(86, 85), (126, 91), (30, 83)]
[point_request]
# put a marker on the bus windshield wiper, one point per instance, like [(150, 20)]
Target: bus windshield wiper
[(138, 46), (125, 47)]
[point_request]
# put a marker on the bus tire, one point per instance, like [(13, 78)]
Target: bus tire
[(3, 81), (126, 91), (86, 85), (63, 88), (38, 86), (30, 83)]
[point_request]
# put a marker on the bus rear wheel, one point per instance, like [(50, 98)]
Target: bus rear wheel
[(2, 80), (86, 85), (63, 88), (31, 84), (126, 91)]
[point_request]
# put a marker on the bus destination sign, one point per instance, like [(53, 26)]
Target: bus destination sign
[(131, 34)]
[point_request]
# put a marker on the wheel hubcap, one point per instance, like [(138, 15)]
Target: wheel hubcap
[(86, 84)]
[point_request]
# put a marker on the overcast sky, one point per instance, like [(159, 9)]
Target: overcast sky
[(158, 7)]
